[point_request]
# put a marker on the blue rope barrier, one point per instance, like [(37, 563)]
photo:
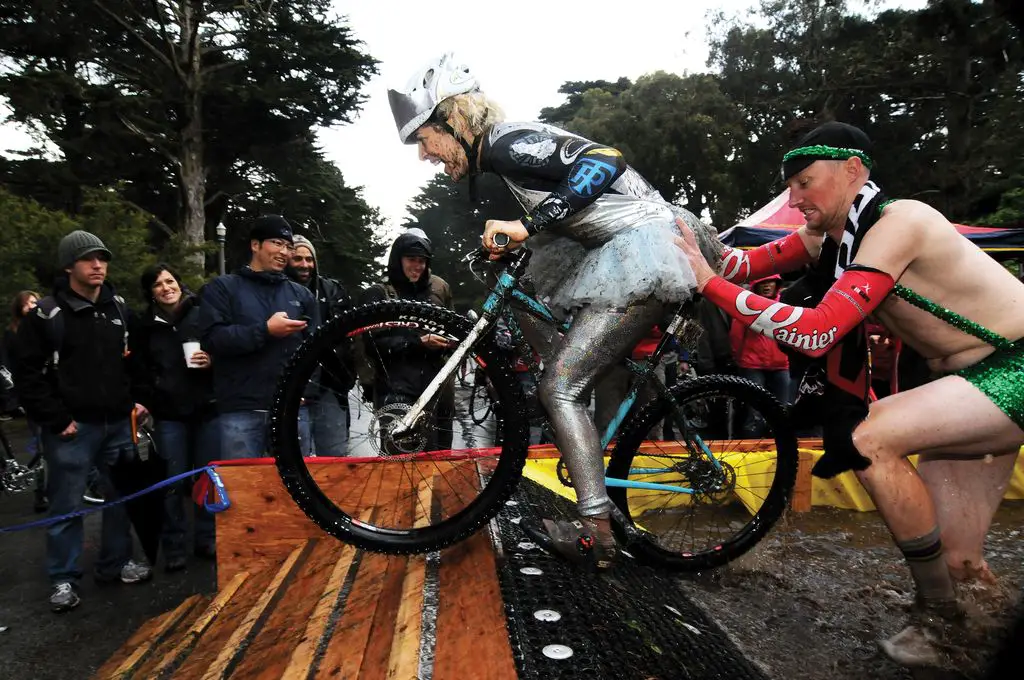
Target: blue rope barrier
[(217, 506)]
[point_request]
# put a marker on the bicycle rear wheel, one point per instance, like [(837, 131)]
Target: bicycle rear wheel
[(410, 492), (737, 486)]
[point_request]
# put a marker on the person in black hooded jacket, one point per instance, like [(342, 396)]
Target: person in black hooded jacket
[(405, 361), (178, 392)]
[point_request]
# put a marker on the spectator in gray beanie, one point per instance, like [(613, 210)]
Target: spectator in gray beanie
[(83, 403)]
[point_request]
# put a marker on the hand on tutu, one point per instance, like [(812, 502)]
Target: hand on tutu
[(514, 229), (702, 271)]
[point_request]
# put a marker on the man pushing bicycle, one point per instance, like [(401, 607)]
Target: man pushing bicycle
[(903, 262)]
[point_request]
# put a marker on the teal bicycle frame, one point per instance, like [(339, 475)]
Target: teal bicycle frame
[(496, 305)]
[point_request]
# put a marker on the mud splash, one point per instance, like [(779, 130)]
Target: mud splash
[(812, 601)]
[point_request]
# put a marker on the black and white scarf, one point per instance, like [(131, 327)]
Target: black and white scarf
[(864, 212)]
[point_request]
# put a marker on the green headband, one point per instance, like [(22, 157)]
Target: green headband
[(798, 159), (822, 152)]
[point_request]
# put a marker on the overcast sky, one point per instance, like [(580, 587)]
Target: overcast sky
[(521, 51)]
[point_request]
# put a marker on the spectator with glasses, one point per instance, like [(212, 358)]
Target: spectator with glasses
[(250, 323)]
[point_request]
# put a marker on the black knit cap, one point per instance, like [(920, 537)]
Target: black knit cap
[(832, 141), (271, 226)]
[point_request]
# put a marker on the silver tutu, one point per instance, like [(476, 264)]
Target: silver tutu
[(625, 268)]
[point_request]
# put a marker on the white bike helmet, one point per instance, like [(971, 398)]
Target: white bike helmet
[(438, 80)]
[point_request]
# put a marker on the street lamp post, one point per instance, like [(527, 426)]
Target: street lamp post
[(222, 233)]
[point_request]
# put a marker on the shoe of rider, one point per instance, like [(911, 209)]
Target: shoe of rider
[(588, 542)]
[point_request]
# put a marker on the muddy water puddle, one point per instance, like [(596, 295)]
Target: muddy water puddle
[(812, 601)]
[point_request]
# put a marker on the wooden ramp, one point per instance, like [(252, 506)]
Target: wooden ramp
[(293, 602)]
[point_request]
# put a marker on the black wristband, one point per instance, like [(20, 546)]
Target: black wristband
[(528, 224)]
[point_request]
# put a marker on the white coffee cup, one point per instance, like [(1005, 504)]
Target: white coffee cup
[(190, 348)]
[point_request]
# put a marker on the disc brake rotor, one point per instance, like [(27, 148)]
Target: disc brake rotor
[(382, 437)]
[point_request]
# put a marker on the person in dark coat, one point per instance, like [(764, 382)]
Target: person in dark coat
[(74, 379), (173, 380), (251, 322), (405, 361)]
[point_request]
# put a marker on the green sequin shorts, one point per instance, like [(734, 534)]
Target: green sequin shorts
[(1000, 377)]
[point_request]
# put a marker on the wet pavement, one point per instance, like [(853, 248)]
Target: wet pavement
[(36, 644), (812, 601)]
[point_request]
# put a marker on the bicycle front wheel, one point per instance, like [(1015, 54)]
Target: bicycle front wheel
[(729, 470), (399, 491)]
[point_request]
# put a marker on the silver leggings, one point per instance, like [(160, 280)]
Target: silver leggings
[(597, 341)]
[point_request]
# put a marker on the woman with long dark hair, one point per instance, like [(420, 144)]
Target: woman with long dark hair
[(172, 379)]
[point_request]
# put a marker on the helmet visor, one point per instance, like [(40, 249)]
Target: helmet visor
[(410, 110)]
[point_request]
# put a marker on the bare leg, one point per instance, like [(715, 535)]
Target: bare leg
[(910, 422), (967, 493), (948, 418)]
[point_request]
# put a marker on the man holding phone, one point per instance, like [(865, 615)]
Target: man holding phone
[(251, 322)]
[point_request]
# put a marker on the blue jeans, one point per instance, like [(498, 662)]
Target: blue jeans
[(246, 434), (184, 446), (776, 382), (69, 462), (330, 423)]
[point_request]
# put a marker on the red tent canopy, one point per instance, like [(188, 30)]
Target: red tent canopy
[(776, 219)]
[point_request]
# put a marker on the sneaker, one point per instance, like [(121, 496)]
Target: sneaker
[(63, 598), (135, 572)]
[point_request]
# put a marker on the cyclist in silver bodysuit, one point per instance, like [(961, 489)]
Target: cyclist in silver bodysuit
[(603, 251)]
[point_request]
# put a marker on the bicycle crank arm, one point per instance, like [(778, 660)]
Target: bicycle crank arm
[(408, 421)]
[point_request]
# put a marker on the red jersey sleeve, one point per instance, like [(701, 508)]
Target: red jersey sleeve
[(782, 255), (813, 332)]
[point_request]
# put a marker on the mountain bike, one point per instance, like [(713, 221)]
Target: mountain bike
[(694, 503)]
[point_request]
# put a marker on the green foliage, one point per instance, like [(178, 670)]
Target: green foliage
[(32, 232), (311, 193), (679, 132), (127, 91), (1010, 212), (938, 90)]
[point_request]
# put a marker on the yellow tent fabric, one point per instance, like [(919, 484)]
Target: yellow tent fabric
[(843, 491)]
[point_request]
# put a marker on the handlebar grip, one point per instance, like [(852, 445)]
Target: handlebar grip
[(501, 240)]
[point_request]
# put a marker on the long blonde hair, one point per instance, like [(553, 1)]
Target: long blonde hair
[(470, 114)]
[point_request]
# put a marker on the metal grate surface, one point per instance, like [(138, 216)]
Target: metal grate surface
[(633, 622)]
